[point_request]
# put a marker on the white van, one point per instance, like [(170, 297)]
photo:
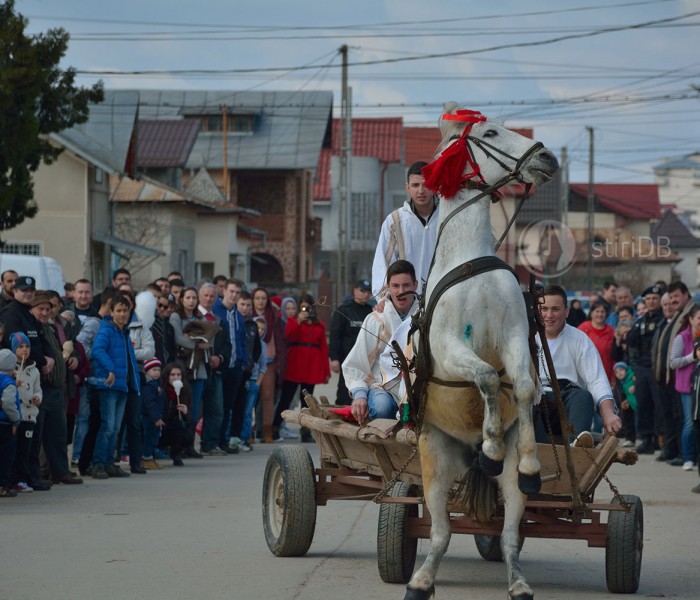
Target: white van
[(47, 272)]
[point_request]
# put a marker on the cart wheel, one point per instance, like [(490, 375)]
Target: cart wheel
[(289, 501), (489, 546), (396, 552), (623, 551)]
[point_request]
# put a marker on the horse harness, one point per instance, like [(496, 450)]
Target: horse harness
[(421, 322)]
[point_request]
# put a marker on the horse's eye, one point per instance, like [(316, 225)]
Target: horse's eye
[(490, 133)]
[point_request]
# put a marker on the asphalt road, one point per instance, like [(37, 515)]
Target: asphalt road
[(196, 532)]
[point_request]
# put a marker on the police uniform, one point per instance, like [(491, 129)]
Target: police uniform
[(639, 349)]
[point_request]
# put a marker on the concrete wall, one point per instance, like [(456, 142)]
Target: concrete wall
[(61, 192)]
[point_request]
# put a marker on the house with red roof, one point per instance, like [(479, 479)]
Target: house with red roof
[(624, 249), (377, 184)]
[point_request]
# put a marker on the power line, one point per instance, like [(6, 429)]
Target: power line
[(347, 26), (412, 58)]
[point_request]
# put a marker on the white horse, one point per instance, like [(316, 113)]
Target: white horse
[(478, 327)]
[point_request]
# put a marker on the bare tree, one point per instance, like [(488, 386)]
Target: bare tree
[(145, 227)]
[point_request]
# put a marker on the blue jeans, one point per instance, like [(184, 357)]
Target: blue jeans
[(112, 404), (381, 404), (688, 432), (81, 423), (151, 435), (197, 388), (579, 407), (251, 397), (212, 413)]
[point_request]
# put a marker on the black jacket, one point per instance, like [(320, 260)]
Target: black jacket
[(18, 317), (345, 327), (253, 341)]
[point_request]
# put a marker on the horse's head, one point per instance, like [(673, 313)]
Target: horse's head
[(485, 153)]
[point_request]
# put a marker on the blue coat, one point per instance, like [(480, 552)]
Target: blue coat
[(111, 353), (6, 380), (152, 398), (220, 310)]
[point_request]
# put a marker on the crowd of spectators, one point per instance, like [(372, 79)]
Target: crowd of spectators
[(112, 384), (650, 348)]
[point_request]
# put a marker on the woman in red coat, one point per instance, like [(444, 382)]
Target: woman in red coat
[(307, 359), (602, 335)]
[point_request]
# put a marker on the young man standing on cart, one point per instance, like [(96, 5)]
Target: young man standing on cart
[(361, 369), (579, 372)]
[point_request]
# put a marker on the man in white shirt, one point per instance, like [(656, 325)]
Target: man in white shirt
[(579, 371), (361, 369), (408, 233)]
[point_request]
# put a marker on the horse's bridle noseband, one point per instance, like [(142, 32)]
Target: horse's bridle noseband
[(487, 149)]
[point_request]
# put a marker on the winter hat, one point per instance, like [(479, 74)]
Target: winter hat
[(149, 364), (8, 361), (621, 365), (17, 339)]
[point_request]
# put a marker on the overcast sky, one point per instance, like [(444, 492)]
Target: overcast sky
[(625, 68)]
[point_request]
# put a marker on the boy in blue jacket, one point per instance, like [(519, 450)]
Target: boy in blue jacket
[(152, 413)]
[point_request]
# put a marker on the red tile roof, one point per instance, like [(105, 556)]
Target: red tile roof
[(381, 138), (165, 142), (631, 200)]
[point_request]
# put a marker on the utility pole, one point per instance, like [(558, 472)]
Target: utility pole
[(224, 125), (591, 209), (564, 185), (345, 147)]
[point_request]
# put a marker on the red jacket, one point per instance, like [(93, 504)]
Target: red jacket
[(307, 352)]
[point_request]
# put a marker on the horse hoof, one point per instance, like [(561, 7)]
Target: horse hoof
[(492, 468), (419, 594), (529, 484)]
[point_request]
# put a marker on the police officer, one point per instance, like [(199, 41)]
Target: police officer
[(345, 327), (639, 348)]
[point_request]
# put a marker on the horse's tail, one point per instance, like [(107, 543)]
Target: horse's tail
[(477, 493)]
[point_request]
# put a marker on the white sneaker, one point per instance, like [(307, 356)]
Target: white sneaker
[(583, 440), (628, 444), (22, 487), (688, 465), (235, 441)]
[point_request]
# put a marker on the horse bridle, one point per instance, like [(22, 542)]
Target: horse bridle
[(489, 149), (487, 190)]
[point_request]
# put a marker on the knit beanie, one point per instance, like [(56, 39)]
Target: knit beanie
[(8, 360), (621, 365), (149, 364), (17, 339)]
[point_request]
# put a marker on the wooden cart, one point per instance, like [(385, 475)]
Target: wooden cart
[(356, 463)]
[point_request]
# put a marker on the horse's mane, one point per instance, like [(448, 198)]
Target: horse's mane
[(448, 128)]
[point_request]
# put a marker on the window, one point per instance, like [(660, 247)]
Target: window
[(27, 248), (234, 123), (363, 217), (204, 270)]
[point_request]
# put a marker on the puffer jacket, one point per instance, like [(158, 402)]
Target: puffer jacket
[(10, 408), (112, 352), (142, 341)]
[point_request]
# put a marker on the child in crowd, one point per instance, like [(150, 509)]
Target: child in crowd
[(152, 412), (28, 382), (9, 419), (627, 401), (253, 386), (177, 433)]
